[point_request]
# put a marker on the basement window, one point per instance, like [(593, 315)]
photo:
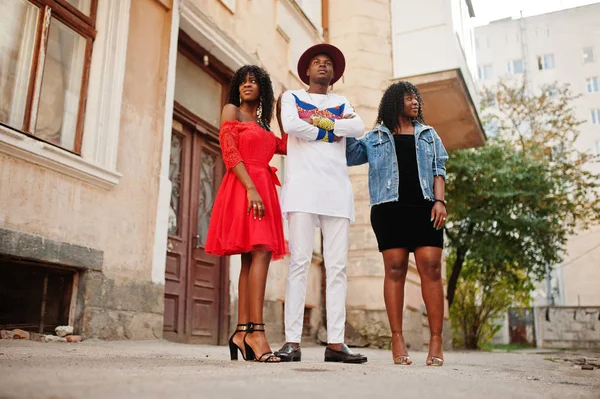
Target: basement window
[(33, 297)]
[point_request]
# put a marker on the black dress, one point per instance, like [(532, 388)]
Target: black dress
[(406, 223)]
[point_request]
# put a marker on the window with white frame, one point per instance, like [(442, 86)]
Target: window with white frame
[(515, 67), (484, 72), (596, 116), (588, 54), (592, 85), (46, 46), (545, 62), (22, 94)]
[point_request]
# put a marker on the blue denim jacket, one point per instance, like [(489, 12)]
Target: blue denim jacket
[(378, 149)]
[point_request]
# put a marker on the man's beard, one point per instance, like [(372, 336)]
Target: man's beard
[(322, 80)]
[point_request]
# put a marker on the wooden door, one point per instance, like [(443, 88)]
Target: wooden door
[(178, 234), (207, 273), (196, 284)]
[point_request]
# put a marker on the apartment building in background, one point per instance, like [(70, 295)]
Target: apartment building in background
[(563, 47), (110, 161)]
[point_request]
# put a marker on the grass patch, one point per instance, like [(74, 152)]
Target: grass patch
[(552, 359), (505, 347)]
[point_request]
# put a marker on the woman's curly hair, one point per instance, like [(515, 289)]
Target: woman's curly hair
[(267, 98), (391, 106)]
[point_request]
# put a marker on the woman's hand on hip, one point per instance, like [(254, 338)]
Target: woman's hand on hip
[(438, 215), (255, 203)]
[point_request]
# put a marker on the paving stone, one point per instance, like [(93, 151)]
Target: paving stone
[(36, 337), (20, 334), (63, 331), (54, 338)]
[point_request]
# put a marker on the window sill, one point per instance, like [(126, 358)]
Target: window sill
[(37, 152)]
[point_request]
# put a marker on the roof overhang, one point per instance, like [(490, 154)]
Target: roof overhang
[(449, 108)]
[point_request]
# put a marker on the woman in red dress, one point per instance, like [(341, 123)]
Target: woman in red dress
[(246, 218)]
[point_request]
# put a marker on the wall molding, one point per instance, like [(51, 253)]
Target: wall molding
[(217, 42), (105, 91), (161, 227), (20, 146)]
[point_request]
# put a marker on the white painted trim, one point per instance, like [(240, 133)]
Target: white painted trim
[(105, 90), (283, 34), (394, 30), (19, 96), (207, 34), (229, 4), (20, 146), (159, 255), (297, 11)]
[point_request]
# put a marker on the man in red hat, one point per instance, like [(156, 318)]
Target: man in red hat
[(317, 192)]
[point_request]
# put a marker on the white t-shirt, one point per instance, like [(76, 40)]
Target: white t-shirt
[(316, 178)]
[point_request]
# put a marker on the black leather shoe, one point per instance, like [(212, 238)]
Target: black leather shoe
[(288, 353), (345, 355)]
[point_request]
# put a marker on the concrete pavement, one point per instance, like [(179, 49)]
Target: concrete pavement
[(159, 369)]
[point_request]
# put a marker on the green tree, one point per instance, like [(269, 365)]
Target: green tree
[(514, 202), (501, 213), (544, 126), (483, 298)]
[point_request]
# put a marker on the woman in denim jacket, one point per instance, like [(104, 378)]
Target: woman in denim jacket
[(406, 185)]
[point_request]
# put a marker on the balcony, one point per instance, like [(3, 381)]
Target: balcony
[(434, 50)]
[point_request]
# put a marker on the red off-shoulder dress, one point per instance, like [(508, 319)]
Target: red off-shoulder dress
[(231, 230)]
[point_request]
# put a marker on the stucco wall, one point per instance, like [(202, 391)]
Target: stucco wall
[(117, 221), (423, 45)]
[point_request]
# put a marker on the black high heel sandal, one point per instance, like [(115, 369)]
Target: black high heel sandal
[(233, 348), (265, 357)]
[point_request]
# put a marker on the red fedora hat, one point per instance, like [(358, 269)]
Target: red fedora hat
[(339, 62)]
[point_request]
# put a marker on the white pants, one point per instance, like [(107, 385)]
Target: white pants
[(335, 253)]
